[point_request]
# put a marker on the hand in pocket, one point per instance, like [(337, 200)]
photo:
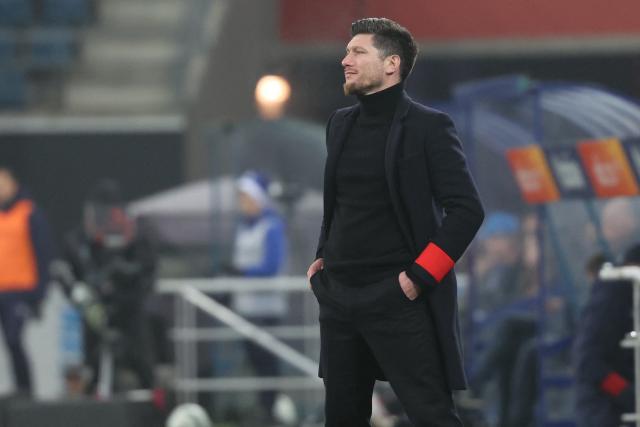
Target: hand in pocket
[(410, 289), (316, 266)]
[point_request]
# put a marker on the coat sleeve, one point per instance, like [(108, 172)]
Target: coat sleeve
[(323, 227), (455, 193)]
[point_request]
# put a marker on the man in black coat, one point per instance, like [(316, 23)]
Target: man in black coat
[(400, 208)]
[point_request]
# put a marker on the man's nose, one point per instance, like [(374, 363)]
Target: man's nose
[(346, 61)]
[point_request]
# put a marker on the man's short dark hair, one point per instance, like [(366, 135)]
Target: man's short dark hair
[(390, 38)]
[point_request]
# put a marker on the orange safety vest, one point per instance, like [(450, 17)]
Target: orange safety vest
[(18, 266)]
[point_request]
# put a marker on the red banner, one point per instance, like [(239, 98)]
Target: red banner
[(533, 175), (608, 168)]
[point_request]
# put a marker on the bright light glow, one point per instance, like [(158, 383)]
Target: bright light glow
[(272, 90)]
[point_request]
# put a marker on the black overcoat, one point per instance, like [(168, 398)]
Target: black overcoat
[(435, 201)]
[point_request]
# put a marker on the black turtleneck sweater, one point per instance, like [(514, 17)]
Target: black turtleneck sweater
[(365, 243)]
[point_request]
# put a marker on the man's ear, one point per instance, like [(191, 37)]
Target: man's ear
[(392, 64)]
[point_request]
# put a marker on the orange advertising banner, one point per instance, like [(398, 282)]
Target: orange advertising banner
[(608, 168), (533, 175)]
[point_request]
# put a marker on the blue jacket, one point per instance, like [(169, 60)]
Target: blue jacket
[(270, 238), (259, 251)]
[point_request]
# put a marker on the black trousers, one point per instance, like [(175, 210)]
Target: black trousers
[(132, 350), (13, 316), (372, 330)]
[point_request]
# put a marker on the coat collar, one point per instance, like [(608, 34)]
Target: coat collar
[(350, 116)]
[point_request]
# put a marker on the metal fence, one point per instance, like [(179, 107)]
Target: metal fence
[(295, 342)]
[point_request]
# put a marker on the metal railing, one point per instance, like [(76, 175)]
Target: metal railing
[(195, 294)]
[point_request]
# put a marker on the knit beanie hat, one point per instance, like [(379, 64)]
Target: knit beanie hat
[(255, 185)]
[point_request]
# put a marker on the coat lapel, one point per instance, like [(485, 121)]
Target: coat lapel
[(390, 165), (337, 139)]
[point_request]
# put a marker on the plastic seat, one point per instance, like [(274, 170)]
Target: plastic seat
[(14, 13), (66, 12), (8, 47), (51, 49), (13, 88)]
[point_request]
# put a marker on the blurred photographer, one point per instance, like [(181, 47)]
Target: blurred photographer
[(111, 273)]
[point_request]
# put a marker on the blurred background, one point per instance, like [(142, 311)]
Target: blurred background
[(151, 134)]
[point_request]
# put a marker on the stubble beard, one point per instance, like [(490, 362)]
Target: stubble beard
[(350, 88), (356, 88)]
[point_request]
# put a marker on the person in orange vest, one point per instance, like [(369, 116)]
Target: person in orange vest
[(25, 254)]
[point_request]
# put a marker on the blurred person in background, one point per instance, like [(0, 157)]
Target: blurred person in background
[(400, 208), (505, 267), (593, 266), (604, 370), (592, 269), (259, 250), (499, 263), (112, 270), (620, 227), (25, 253)]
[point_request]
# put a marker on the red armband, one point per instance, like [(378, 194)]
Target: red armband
[(435, 261)]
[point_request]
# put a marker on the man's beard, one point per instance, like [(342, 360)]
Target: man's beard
[(353, 88)]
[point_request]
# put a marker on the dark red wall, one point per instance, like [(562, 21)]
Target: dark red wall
[(430, 20)]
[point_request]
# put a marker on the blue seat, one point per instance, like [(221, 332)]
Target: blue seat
[(15, 13), (13, 88), (8, 47), (51, 49), (66, 12)]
